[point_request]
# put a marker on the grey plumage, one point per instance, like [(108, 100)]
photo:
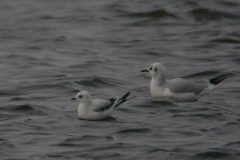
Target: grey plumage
[(178, 88), (96, 109), (108, 104), (180, 85)]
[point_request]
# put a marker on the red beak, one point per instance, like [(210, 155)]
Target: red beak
[(144, 70)]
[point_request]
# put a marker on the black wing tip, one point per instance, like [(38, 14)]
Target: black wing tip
[(126, 95), (122, 99), (219, 79)]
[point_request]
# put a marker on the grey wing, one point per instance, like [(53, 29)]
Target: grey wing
[(180, 85), (100, 105)]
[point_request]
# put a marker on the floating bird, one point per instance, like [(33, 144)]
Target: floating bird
[(96, 109), (178, 88)]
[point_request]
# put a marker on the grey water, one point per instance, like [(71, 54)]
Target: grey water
[(51, 49)]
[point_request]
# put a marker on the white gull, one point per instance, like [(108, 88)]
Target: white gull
[(96, 109), (178, 88)]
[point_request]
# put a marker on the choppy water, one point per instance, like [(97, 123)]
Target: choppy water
[(51, 49)]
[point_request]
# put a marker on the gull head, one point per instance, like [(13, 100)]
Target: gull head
[(82, 96), (155, 69)]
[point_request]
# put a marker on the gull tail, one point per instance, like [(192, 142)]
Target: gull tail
[(121, 100), (214, 82)]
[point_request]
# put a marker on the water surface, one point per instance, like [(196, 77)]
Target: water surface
[(49, 50)]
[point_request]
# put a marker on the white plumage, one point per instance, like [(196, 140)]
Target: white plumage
[(96, 109), (178, 88)]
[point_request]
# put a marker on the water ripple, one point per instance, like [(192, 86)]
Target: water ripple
[(201, 14), (161, 13)]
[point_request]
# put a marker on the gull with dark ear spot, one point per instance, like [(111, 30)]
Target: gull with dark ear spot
[(96, 109), (178, 88)]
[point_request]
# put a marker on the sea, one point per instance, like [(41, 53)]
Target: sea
[(52, 49)]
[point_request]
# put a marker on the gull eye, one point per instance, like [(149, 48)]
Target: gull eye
[(150, 68), (80, 96), (155, 70)]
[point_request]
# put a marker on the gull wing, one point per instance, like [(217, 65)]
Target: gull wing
[(100, 105), (179, 85)]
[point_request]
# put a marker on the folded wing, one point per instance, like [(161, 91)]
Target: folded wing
[(100, 105)]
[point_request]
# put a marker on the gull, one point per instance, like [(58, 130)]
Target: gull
[(96, 109), (178, 88)]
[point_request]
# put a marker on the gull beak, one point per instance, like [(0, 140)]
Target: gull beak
[(144, 70), (73, 98)]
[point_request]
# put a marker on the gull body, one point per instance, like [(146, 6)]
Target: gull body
[(96, 109), (178, 88)]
